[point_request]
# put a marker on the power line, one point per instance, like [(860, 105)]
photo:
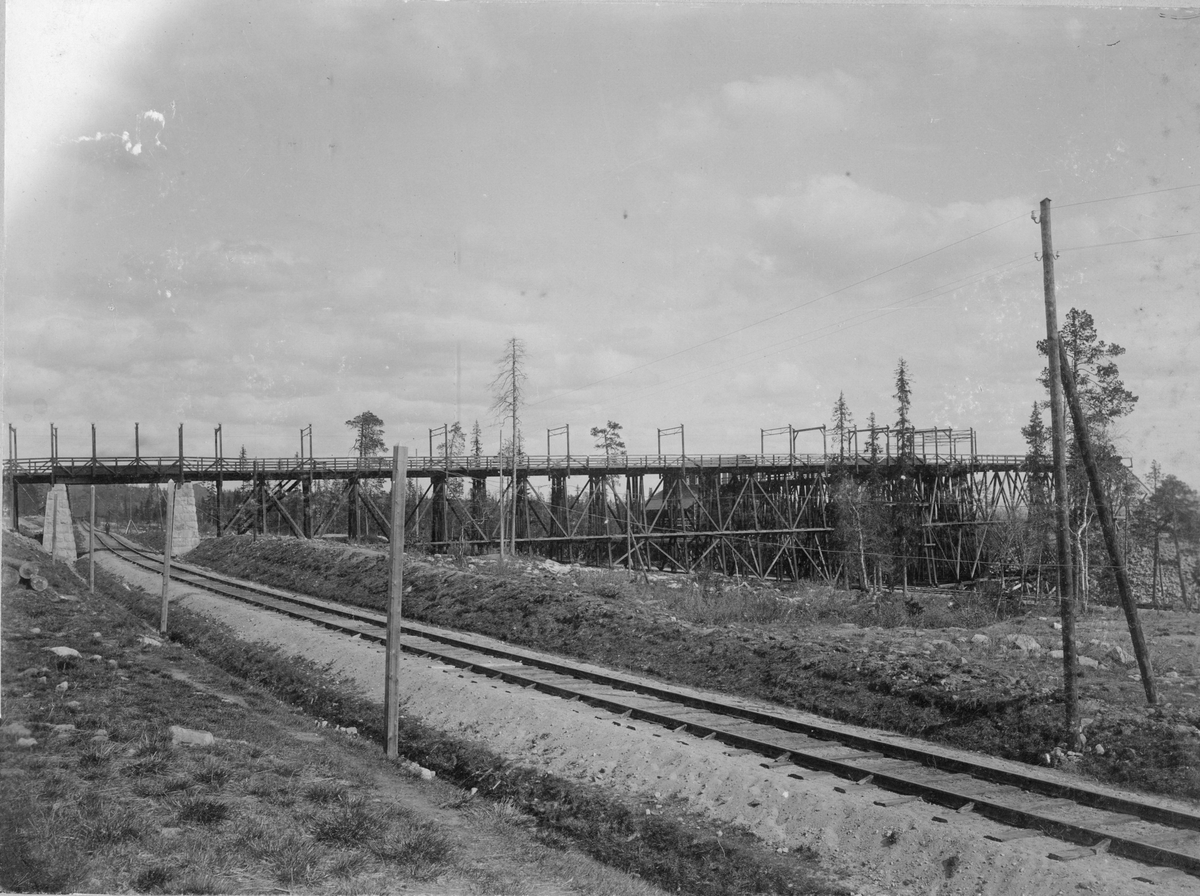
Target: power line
[(779, 314), (1145, 239), (810, 336), (1126, 196)]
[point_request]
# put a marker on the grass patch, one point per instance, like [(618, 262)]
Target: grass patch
[(201, 810), (422, 853), (348, 822), (605, 827), (326, 791)]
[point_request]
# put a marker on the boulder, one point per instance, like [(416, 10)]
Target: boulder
[(65, 653), (15, 729), (189, 737), (980, 640), (1120, 656), (1024, 643)]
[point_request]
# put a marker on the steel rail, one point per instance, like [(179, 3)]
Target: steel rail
[(1098, 820)]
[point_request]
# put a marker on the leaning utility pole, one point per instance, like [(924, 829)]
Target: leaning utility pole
[(1108, 527), (1058, 425)]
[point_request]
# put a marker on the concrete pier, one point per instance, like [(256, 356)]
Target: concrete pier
[(58, 539), (186, 528)]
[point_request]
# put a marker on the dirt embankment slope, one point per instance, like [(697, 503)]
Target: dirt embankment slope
[(953, 685)]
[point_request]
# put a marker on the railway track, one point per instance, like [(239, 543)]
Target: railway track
[(1031, 802)]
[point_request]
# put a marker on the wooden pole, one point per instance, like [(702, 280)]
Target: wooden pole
[(391, 688), (1108, 527), (166, 574), (92, 542), (53, 526), (1066, 571)]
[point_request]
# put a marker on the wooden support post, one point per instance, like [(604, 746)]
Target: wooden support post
[(53, 527), (438, 534), (1128, 603), (166, 574), (12, 456), (306, 500), (1066, 569), (92, 541), (391, 695)]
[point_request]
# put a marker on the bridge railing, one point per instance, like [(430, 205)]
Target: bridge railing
[(462, 465)]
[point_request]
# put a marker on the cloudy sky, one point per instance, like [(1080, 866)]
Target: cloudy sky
[(274, 214)]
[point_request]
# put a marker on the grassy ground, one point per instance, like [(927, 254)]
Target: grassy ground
[(103, 801), (913, 668)]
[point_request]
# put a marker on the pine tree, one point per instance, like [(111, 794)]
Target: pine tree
[(368, 434), (1037, 437), (873, 430), (608, 439), (842, 425), (903, 396), (508, 391), (476, 441)]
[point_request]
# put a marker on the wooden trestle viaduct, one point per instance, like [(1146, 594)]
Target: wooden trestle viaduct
[(765, 515)]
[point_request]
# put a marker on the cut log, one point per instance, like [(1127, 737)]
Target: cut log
[(38, 583)]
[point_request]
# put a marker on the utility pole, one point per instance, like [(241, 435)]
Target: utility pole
[(92, 540), (166, 573), (1058, 425), (391, 688), (1108, 527)]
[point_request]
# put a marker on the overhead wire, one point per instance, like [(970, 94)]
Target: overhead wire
[(779, 314), (870, 315), (1127, 196)]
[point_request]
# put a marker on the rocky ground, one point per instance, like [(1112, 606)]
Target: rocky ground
[(957, 674), (877, 850)]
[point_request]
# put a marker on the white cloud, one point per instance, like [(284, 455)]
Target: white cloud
[(825, 102)]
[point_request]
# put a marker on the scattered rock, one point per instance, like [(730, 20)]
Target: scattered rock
[(96, 636), (980, 640), (35, 631), (73, 705), (1025, 643), (425, 774), (942, 646), (26, 742), (15, 729), (65, 653), (1056, 654), (96, 658), (62, 730), (62, 686), (189, 737), (112, 664), (147, 641), (1119, 655), (1088, 663)]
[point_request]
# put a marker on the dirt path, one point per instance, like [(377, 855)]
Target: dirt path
[(905, 849)]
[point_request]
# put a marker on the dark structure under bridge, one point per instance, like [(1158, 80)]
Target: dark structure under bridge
[(766, 515)]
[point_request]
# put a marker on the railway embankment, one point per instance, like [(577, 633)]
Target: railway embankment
[(135, 763), (951, 669)]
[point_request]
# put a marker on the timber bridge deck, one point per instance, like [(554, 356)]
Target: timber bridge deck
[(766, 515), (156, 470)]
